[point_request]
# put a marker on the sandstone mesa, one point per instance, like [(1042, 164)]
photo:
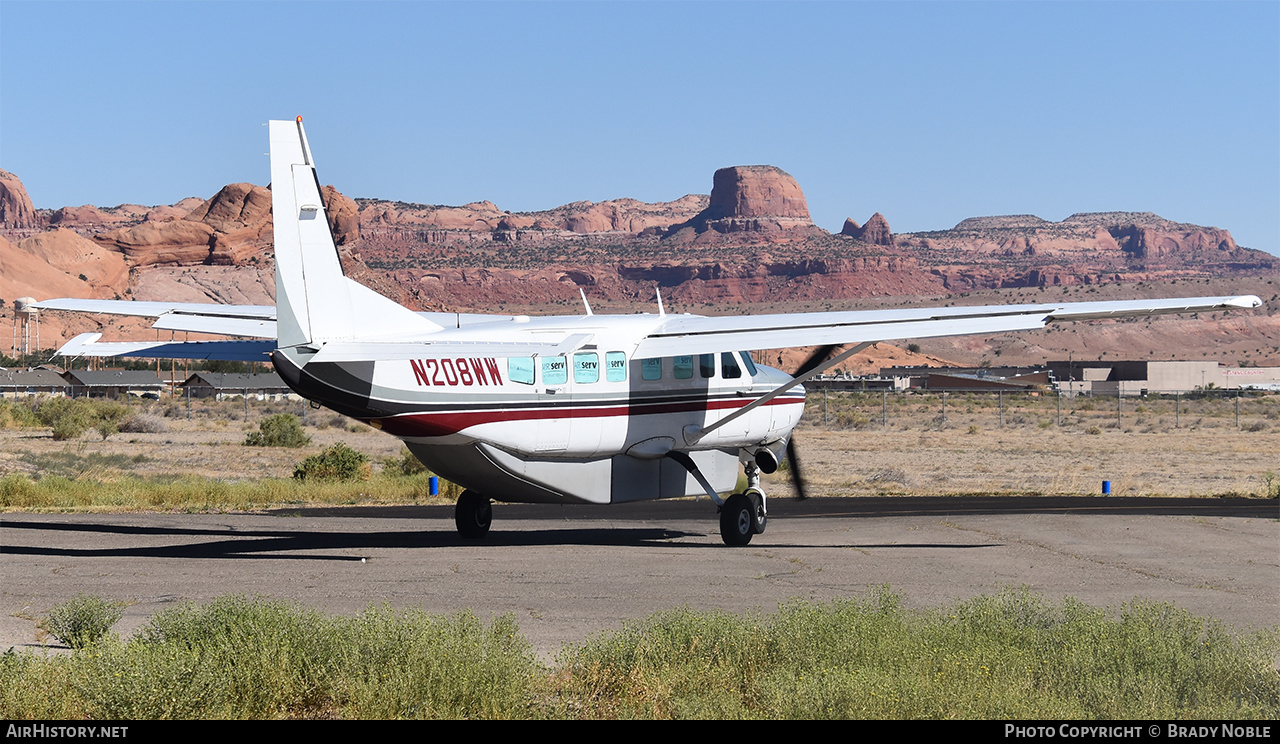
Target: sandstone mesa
[(751, 240)]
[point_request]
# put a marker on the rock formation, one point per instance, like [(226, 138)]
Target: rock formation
[(758, 199), (876, 231), (750, 241), (80, 257), (16, 209), (747, 191)]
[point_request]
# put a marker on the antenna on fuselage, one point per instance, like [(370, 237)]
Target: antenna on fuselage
[(661, 310), (585, 304)]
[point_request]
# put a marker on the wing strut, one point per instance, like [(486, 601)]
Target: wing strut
[(693, 435)]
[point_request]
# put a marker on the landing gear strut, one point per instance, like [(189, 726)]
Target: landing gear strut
[(473, 515)]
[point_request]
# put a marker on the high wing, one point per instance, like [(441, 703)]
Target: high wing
[(686, 334), (673, 335)]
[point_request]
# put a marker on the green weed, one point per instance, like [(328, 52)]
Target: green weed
[(82, 621), (278, 430)]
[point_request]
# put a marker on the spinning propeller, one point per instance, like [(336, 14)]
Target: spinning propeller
[(793, 458)]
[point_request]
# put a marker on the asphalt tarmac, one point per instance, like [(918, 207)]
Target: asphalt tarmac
[(568, 571)]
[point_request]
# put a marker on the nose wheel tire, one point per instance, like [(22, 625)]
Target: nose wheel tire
[(738, 520), (473, 515)]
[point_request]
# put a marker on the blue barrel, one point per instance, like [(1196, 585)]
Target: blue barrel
[(1106, 488), (433, 486)]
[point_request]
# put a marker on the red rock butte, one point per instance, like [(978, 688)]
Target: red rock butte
[(747, 191), (16, 209)]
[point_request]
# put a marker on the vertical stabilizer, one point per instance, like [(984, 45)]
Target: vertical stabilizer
[(315, 302)]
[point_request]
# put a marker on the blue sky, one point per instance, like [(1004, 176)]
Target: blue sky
[(926, 112)]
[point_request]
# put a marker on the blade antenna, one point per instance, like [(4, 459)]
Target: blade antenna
[(585, 304), (661, 310)]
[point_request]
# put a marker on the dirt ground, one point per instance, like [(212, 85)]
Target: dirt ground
[(845, 448)]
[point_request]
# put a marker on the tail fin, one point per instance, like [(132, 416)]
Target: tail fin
[(315, 302)]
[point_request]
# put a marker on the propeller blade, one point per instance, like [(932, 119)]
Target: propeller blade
[(793, 461), (820, 355)]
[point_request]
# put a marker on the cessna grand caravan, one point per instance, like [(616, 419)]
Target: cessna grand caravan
[(561, 409)]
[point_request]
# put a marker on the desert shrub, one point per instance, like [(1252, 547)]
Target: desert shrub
[(14, 415), (82, 621), (71, 417), (238, 657), (405, 464), (144, 423), (1271, 484), (107, 417), (339, 462), (67, 417), (280, 430)]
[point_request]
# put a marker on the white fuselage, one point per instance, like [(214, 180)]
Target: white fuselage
[(483, 419)]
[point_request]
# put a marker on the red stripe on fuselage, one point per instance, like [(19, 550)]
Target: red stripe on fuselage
[(452, 422)]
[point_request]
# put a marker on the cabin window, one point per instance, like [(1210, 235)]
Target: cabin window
[(615, 367), (555, 370), (707, 365), (586, 367), (682, 367), (520, 369), (651, 369), (748, 362), (729, 368)]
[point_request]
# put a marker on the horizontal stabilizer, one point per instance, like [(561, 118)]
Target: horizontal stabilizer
[(86, 345)]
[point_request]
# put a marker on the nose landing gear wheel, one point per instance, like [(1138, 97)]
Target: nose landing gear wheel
[(473, 515), (738, 520)]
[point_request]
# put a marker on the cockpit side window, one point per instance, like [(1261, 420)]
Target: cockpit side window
[(729, 368), (748, 362)]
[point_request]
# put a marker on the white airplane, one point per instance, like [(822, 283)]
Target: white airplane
[(561, 409)]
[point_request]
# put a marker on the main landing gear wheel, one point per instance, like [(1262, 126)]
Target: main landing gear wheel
[(757, 500), (473, 515), (738, 520)]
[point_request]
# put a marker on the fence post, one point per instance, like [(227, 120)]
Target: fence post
[(1059, 406), (1237, 409), (1177, 409), (884, 408), (1001, 394), (944, 407)]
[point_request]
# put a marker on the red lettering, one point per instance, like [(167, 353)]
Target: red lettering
[(419, 373), (478, 368), (435, 379), (464, 372), (492, 364), (450, 374)]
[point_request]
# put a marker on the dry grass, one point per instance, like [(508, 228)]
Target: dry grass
[(1031, 454), (851, 454)]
